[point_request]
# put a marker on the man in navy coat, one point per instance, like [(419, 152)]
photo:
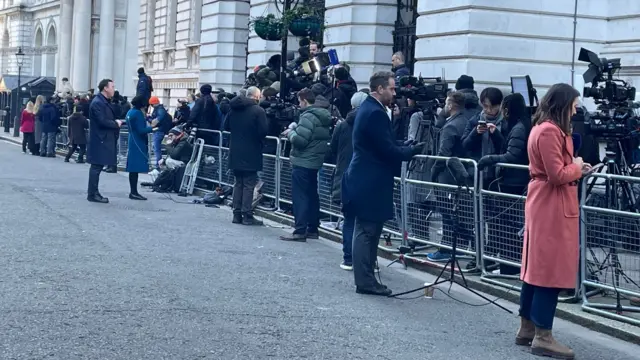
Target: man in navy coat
[(103, 129), (367, 188)]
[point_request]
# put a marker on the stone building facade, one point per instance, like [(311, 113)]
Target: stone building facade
[(191, 42), (83, 40)]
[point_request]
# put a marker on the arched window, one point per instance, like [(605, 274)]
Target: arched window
[(37, 57), (51, 55)]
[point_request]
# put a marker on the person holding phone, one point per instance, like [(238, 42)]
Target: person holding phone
[(550, 253)]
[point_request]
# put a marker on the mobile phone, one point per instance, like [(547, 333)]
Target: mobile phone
[(482, 123)]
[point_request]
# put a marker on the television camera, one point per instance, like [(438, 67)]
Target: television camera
[(428, 93), (615, 115)]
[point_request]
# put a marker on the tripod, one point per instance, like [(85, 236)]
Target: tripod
[(453, 263), (619, 196)]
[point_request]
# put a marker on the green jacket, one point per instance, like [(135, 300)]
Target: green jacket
[(310, 139)]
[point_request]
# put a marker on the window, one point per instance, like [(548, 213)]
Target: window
[(150, 24)]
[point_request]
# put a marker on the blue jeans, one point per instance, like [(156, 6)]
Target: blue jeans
[(48, 144), (158, 136), (538, 304), (347, 238), (306, 201)]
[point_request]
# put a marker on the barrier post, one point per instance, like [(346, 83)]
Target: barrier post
[(403, 204)]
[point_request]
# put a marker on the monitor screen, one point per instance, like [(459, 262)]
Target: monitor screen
[(519, 85)]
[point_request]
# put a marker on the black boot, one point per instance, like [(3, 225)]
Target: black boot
[(136, 197), (248, 219), (97, 199), (237, 218)]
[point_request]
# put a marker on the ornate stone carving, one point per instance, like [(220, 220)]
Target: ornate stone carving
[(120, 24)]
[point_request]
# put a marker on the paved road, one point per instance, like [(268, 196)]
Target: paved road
[(165, 280)]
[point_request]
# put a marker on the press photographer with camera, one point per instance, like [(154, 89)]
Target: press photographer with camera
[(206, 115), (309, 139), (367, 185)]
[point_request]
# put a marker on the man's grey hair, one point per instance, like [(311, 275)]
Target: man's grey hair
[(253, 92), (381, 78), (399, 55)]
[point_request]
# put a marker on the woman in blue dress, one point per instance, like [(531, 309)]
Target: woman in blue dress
[(138, 152)]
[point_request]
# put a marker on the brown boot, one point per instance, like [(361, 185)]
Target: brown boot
[(526, 333), (544, 344)]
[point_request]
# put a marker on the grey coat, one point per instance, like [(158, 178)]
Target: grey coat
[(38, 128)]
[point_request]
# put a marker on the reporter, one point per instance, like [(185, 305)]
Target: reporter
[(138, 155), (551, 248)]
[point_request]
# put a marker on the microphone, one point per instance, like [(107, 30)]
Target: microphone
[(577, 143), (458, 171)]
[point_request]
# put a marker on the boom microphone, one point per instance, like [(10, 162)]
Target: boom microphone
[(458, 171)]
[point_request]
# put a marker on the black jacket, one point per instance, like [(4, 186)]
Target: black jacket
[(348, 88), (77, 129), (513, 151), (204, 114), (247, 123), (450, 146), (103, 131), (342, 151), (181, 151), (400, 71)]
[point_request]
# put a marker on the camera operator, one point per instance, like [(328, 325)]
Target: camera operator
[(206, 115), (464, 85), (270, 73), (181, 115), (345, 83), (320, 91), (310, 143), (451, 146), (483, 133), (367, 185), (398, 66)]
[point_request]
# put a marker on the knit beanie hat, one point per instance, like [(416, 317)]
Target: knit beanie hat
[(358, 98)]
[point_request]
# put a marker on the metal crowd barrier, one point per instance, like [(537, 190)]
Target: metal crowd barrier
[(610, 257), (502, 221), (214, 169)]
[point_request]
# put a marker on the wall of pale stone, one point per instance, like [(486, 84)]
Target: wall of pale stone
[(223, 43), (361, 32), (493, 39)]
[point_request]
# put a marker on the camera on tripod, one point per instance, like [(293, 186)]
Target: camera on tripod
[(428, 93), (615, 116), (284, 111)]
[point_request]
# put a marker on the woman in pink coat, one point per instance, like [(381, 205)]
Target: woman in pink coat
[(551, 249)]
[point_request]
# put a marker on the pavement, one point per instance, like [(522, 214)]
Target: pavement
[(167, 279)]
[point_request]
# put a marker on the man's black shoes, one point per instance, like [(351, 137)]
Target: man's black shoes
[(98, 199), (137, 197), (380, 291)]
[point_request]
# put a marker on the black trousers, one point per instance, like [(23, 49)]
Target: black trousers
[(243, 191), (28, 140), (94, 179), (306, 201), (73, 148), (366, 237)]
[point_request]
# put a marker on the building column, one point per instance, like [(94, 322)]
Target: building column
[(261, 50), (64, 41), (80, 78), (362, 34), (223, 46), (105, 40)]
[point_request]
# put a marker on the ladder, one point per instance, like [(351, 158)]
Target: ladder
[(191, 170)]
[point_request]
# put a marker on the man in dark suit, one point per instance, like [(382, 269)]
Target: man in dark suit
[(103, 129), (367, 188)]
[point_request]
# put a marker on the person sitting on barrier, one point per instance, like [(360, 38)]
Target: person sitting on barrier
[(451, 146), (342, 151), (247, 123), (505, 225), (368, 184), (550, 254), (310, 143)]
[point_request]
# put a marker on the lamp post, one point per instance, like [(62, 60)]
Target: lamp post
[(18, 112)]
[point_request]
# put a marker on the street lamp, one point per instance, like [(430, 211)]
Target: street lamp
[(16, 122)]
